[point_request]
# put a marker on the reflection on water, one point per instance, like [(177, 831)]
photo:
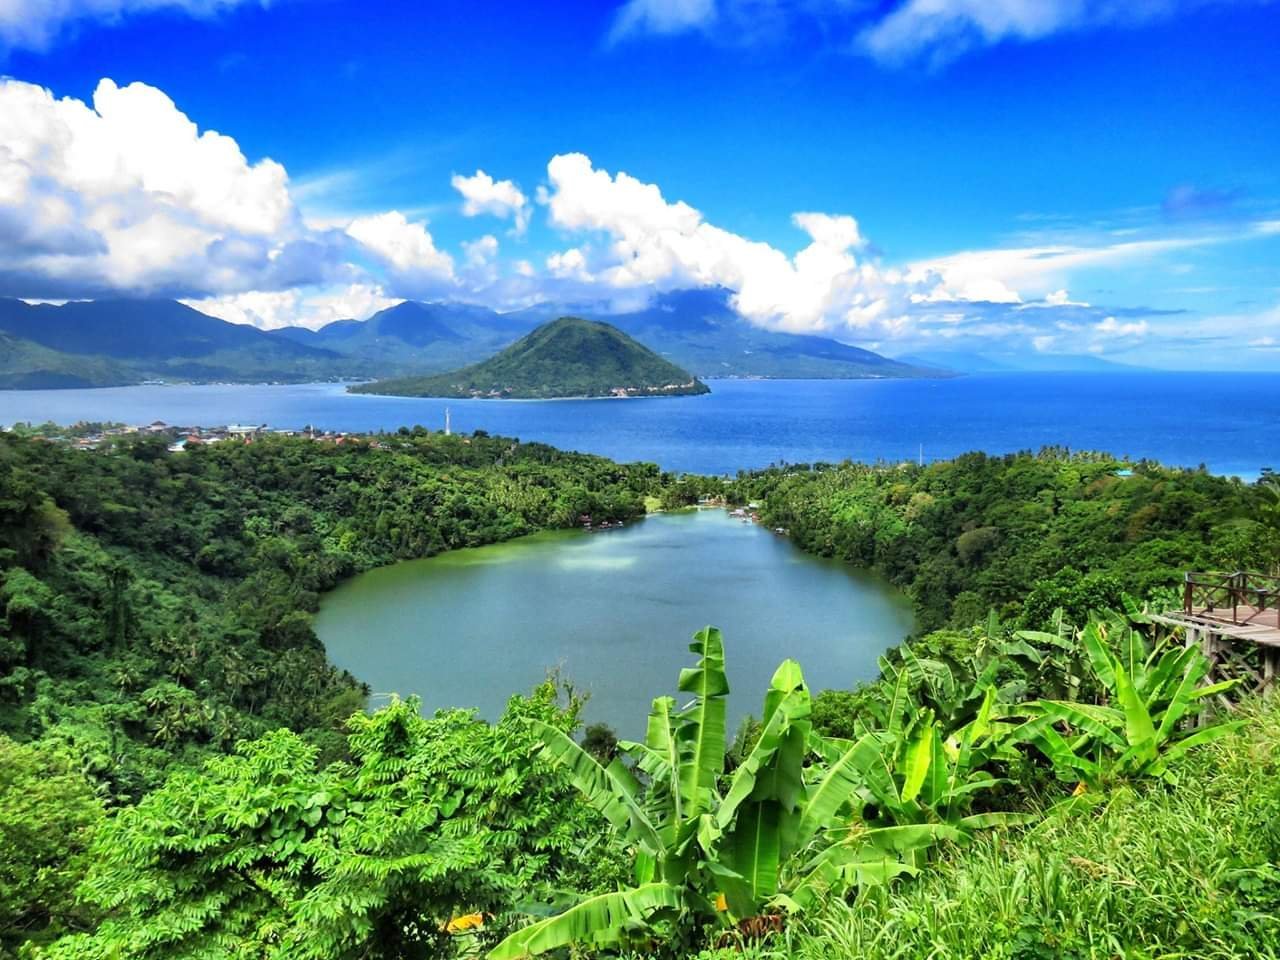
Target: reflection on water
[(615, 611)]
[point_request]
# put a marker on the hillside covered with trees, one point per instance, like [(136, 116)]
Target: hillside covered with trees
[(1024, 533), (182, 774), (569, 357)]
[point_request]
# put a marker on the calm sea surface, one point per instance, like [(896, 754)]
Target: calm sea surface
[(1229, 422), (615, 610)]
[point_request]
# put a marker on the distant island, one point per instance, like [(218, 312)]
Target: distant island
[(569, 357)]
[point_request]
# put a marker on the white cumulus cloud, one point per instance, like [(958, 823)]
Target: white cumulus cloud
[(481, 194), (405, 246), (665, 245), (127, 194), (481, 251), (35, 23), (269, 309)]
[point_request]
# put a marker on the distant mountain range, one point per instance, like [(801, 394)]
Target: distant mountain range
[(117, 342), (114, 342), (958, 361), (695, 329), (568, 357)]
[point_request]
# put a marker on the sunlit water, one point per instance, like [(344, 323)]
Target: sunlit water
[(1229, 422), (615, 611)]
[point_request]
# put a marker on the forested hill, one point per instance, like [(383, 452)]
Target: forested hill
[(569, 357), (157, 606), (1024, 533)]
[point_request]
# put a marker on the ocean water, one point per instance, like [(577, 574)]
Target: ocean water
[(1228, 422)]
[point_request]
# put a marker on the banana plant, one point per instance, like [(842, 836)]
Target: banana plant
[(1138, 730), (701, 856), (903, 789), (800, 818)]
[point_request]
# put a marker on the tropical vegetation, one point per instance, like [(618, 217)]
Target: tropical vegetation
[(1041, 771)]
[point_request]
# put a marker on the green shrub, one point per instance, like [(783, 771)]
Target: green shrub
[(1148, 872)]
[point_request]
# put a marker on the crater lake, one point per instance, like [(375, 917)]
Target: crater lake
[(614, 611)]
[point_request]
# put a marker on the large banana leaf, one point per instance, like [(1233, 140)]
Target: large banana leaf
[(982, 821), (1093, 640), (754, 851), (1193, 671), (917, 760), (1066, 761), (701, 730), (596, 919), (840, 867), (876, 771), (908, 837), (1197, 739), (659, 755), (612, 791), (764, 774), (759, 812), (1139, 730), (838, 784), (897, 704), (1101, 723), (1173, 664)]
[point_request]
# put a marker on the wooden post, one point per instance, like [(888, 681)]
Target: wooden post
[(1209, 647), (1270, 657)]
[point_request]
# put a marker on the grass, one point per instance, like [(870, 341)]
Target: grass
[(1153, 871)]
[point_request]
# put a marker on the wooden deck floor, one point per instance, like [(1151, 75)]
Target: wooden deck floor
[(1244, 623)]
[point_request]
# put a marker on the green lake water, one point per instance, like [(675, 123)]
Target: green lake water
[(615, 611)]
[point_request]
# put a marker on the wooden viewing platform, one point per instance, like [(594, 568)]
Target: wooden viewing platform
[(1218, 608)]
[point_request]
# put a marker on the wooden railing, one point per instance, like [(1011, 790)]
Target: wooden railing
[(1247, 595)]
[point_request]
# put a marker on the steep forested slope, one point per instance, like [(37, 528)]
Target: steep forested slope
[(1022, 533), (568, 357), (157, 606)]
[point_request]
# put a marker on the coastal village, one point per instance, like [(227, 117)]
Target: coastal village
[(90, 436)]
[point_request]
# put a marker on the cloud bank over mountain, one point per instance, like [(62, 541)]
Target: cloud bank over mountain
[(127, 195)]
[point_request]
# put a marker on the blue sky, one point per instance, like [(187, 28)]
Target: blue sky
[(1001, 175)]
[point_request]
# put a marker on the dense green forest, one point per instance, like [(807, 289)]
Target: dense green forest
[(1024, 533), (157, 607), (569, 357), (182, 774)]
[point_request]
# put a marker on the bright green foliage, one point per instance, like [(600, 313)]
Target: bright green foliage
[(1183, 874), (48, 815), (695, 835), (1140, 725), (913, 781), (803, 818), (265, 854), (787, 827), (1024, 534), (156, 607)]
